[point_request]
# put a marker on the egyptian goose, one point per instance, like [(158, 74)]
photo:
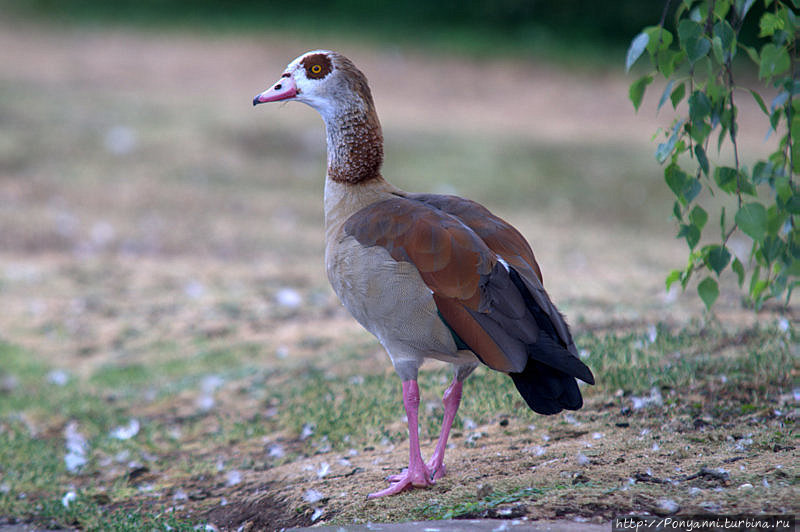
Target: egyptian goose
[(431, 276)]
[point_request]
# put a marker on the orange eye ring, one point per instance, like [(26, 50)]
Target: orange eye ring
[(316, 69)]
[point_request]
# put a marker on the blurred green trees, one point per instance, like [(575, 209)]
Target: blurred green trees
[(522, 21)]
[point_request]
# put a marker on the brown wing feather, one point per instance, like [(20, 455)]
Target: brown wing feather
[(508, 243), (450, 258), (470, 331), (500, 236)]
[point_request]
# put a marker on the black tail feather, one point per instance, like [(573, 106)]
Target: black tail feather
[(553, 354), (548, 382), (547, 390)]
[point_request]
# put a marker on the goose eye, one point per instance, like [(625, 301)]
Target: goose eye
[(317, 66)]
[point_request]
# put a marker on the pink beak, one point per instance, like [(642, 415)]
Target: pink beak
[(284, 89)]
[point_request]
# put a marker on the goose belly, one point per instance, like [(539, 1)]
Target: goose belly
[(390, 299)]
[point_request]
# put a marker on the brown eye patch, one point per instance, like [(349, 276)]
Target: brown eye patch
[(317, 66)]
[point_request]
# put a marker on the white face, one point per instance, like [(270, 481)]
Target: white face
[(309, 79)]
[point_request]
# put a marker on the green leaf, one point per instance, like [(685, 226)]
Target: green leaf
[(752, 220), (793, 17), (716, 47), (757, 286), (692, 189), (659, 39), (795, 130), (668, 61), (708, 291), (699, 106), (793, 203), (722, 224), (774, 119), (676, 179), (727, 36), (774, 61), (699, 131), (724, 42), (678, 94), (771, 248), (775, 219), (760, 101), (794, 269), (637, 47), (697, 49), (717, 258), (673, 276), (739, 269), (762, 172), (745, 185), (665, 94), (665, 148), (698, 217), (676, 211), (689, 30), (684, 187), (794, 245), (691, 233), (717, 92), (778, 284), (702, 160), (725, 177), (742, 7), (783, 197), (769, 24), (754, 277), (637, 89), (779, 100), (726, 119), (721, 9)]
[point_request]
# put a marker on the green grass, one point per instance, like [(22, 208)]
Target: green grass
[(759, 357), (85, 513), (474, 508), (368, 408), (34, 411)]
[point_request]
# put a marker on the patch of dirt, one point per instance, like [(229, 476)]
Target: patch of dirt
[(604, 469), (262, 513)]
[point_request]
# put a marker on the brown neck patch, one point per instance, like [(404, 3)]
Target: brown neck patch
[(355, 140), (355, 147)]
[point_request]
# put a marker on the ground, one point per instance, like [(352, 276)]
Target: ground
[(164, 299)]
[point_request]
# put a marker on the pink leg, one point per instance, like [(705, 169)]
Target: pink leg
[(417, 474), (451, 400)]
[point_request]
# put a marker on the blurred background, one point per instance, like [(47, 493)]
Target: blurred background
[(569, 28), (129, 146), (531, 26)]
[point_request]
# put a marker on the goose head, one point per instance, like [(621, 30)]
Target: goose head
[(325, 80)]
